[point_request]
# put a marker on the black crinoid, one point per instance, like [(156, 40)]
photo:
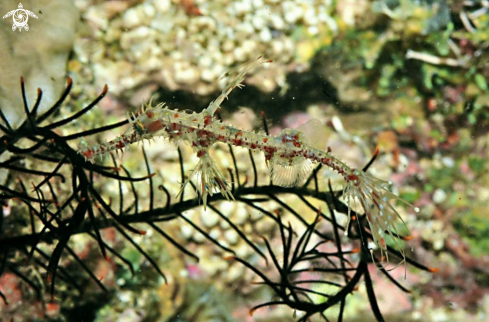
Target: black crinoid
[(51, 194)]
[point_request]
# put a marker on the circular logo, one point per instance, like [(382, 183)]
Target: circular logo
[(20, 18)]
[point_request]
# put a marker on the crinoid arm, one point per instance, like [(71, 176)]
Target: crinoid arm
[(375, 199)]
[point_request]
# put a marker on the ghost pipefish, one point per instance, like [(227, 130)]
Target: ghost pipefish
[(291, 155)]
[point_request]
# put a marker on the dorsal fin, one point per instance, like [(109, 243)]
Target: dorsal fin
[(315, 133)]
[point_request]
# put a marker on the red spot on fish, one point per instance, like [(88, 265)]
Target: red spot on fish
[(120, 144), (150, 114), (207, 120), (352, 177), (177, 115), (154, 126), (204, 134), (269, 151), (88, 154), (201, 153), (203, 143)]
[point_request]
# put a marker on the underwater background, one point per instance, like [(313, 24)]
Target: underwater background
[(409, 77)]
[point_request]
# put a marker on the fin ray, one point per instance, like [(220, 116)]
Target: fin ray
[(286, 174), (314, 132)]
